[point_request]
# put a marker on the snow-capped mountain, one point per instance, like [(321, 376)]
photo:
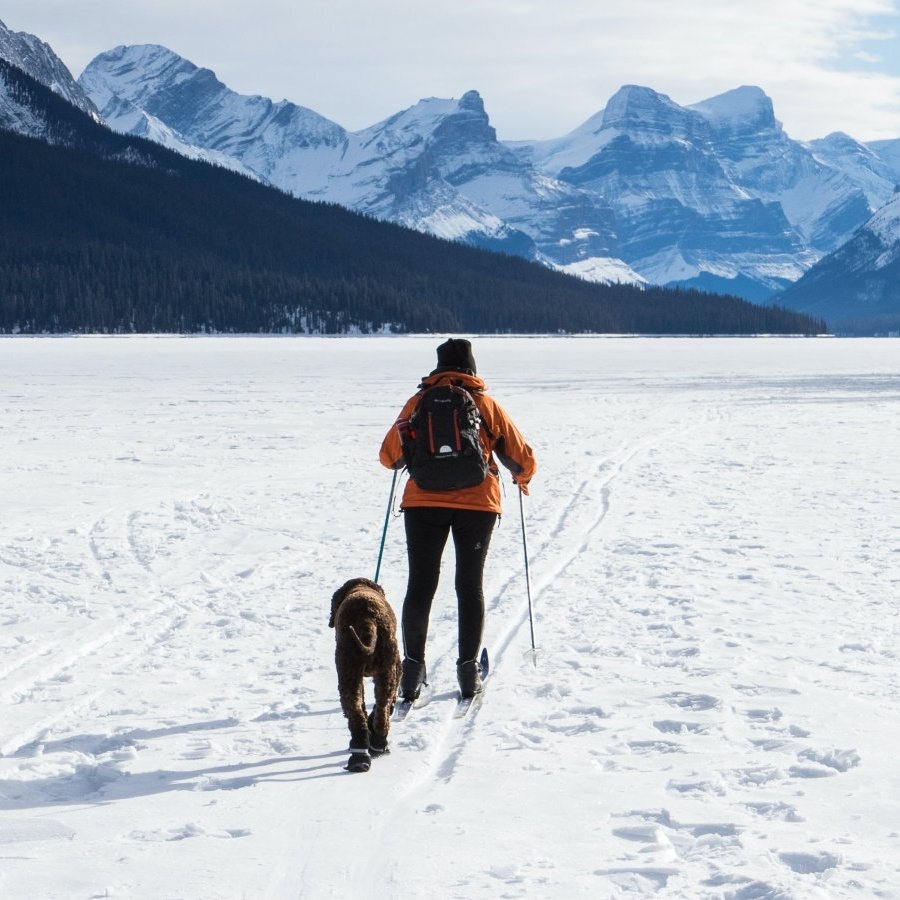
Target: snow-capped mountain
[(889, 154), (16, 112), (437, 166), (192, 98), (715, 195), (858, 286), (33, 56), (680, 217), (822, 203)]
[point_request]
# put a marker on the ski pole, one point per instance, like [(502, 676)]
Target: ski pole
[(387, 518), (534, 651)]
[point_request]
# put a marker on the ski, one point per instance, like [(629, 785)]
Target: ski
[(403, 707), (465, 704)]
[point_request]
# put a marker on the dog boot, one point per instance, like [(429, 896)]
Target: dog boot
[(412, 679), (378, 743), (360, 760), (468, 674)]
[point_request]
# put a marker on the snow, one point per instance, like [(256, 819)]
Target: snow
[(456, 219), (713, 537), (603, 269), (747, 106), (671, 266), (37, 58), (885, 224), (15, 117), (572, 150)]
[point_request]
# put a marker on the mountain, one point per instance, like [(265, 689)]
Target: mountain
[(113, 233), (17, 114), (872, 167), (716, 193), (33, 56), (437, 167), (858, 286), (192, 93), (823, 204), (889, 151), (30, 108), (681, 215), (714, 196)]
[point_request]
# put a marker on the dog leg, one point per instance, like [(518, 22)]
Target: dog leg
[(386, 685), (378, 739), (351, 688)]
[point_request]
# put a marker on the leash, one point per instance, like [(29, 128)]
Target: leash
[(387, 518)]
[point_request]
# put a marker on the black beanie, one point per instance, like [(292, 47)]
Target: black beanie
[(456, 353)]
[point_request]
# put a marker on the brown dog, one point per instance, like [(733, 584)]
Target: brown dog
[(366, 635)]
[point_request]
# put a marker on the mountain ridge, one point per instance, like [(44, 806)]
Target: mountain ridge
[(714, 195), (38, 59), (423, 167), (111, 233), (858, 285)]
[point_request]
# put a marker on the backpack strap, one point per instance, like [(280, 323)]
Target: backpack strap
[(473, 393)]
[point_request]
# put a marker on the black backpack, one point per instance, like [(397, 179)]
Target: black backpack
[(442, 442)]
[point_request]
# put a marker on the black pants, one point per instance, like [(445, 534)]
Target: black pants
[(427, 528)]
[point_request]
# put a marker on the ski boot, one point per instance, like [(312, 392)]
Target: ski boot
[(412, 679), (468, 674)]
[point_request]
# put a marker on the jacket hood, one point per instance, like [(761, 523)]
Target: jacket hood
[(449, 376)]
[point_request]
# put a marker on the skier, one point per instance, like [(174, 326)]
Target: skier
[(469, 513)]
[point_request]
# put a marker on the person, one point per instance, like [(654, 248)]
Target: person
[(469, 514)]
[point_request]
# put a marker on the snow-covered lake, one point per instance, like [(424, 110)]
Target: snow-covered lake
[(714, 538)]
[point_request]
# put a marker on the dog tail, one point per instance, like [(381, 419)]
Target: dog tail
[(368, 649)]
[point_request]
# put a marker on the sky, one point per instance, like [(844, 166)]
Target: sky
[(542, 66)]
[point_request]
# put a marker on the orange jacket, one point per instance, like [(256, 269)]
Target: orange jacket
[(500, 437)]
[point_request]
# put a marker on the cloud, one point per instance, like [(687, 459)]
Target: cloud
[(542, 66)]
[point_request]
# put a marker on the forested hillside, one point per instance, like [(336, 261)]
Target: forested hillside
[(101, 232)]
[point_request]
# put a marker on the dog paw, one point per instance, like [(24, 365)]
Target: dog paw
[(360, 761)]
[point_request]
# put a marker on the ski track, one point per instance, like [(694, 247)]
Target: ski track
[(577, 521), (780, 751), (677, 669), (103, 648), (780, 755)]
